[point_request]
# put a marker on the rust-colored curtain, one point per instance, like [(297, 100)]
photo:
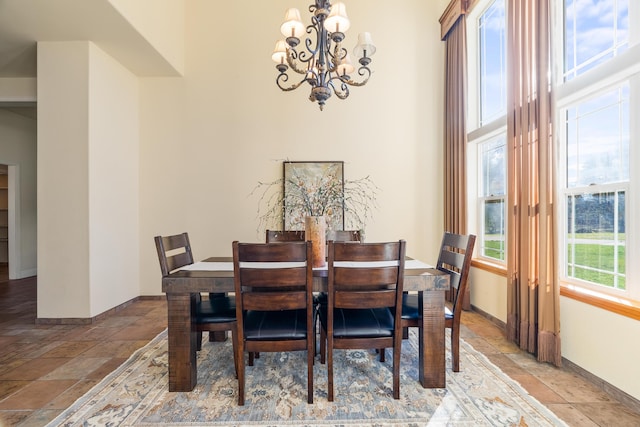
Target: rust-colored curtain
[(533, 318), (455, 136)]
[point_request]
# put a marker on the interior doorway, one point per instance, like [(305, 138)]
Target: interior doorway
[(4, 222)]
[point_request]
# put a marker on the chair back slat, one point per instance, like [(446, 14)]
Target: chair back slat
[(274, 277), (269, 252), (374, 277), (344, 235), (274, 301), (284, 236), (357, 299)]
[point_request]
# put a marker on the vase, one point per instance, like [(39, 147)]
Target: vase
[(315, 229)]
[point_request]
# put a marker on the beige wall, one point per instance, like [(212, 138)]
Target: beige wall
[(113, 183), (208, 138), (161, 22)]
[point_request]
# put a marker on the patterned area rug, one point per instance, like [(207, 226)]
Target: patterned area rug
[(136, 394)]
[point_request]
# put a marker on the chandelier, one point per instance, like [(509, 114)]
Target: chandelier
[(322, 62)]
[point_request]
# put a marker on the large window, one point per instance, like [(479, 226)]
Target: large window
[(487, 155), (596, 46), (597, 94)]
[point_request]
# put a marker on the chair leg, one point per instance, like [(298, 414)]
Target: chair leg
[(323, 346), (330, 369), (381, 351), (455, 350), (240, 360), (199, 341), (311, 353), (405, 333), (251, 356), (396, 369), (234, 342)]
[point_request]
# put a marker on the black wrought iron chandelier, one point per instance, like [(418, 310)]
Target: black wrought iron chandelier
[(323, 63)]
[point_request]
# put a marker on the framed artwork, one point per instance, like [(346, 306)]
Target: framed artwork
[(313, 189)]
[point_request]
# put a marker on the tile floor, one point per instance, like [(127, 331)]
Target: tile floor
[(45, 368)]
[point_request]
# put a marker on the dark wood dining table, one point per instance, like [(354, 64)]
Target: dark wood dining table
[(215, 275)]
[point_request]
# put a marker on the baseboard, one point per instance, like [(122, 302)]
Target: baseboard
[(616, 393), (90, 320)]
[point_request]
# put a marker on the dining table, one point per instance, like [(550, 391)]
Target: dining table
[(215, 275)]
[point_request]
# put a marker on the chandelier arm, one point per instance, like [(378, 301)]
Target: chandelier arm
[(339, 53), (283, 78), (343, 93), (362, 71), (292, 55)]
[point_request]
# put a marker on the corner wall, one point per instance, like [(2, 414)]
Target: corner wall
[(87, 181)]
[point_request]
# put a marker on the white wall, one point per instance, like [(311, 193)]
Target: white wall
[(208, 138), (18, 148), (63, 184), (113, 183)]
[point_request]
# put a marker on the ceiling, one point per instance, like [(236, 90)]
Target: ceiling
[(23, 23)]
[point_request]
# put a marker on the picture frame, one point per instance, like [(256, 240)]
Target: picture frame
[(313, 188)]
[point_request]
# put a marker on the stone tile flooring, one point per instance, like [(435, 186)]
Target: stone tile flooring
[(45, 368)]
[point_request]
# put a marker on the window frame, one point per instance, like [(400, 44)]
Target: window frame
[(622, 68), (479, 133)]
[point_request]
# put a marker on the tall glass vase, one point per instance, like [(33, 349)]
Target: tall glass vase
[(315, 229)]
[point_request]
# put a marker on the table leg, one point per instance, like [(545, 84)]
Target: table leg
[(431, 345), (181, 343)]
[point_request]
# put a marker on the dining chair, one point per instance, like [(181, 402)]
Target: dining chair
[(284, 236), (364, 302), (274, 305), (215, 314), (455, 258)]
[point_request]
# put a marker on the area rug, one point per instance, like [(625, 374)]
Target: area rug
[(136, 394)]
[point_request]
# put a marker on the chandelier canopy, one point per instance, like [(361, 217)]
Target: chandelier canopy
[(322, 62)]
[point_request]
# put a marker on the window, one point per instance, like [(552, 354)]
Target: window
[(487, 156), (597, 94), (595, 31), (493, 190), (491, 34)]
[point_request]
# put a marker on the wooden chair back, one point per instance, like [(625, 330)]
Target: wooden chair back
[(368, 275), (174, 252), (272, 277), (455, 256)]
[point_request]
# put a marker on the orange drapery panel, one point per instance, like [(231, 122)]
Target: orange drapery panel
[(533, 318)]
